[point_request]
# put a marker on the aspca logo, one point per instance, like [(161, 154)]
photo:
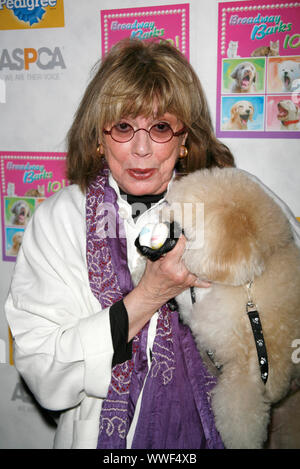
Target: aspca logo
[(22, 59)]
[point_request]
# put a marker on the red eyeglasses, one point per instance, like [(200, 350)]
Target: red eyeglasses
[(159, 133)]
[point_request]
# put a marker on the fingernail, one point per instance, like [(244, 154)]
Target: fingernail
[(203, 283)]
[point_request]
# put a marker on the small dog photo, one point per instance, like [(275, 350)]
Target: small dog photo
[(283, 74), (283, 113), (289, 73), (242, 114), (243, 76), (18, 210), (13, 238)]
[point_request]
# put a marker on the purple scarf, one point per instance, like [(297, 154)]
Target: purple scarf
[(175, 411)]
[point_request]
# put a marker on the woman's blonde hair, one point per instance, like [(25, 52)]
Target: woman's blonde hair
[(133, 78)]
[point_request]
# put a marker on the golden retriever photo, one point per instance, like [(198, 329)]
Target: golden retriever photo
[(240, 113), (250, 257), (16, 244)]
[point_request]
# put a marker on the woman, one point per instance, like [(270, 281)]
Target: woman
[(114, 359)]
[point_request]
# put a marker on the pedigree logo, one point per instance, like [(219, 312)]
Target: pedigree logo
[(31, 14)]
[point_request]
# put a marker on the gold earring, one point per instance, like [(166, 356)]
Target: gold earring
[(99, 149), (183, 152)]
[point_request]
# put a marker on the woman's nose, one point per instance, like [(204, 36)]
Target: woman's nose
[(141, 143)]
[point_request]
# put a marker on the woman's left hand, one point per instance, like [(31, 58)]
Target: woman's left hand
[(162, 280)]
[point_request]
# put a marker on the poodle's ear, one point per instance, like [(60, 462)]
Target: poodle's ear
[(232, 254)]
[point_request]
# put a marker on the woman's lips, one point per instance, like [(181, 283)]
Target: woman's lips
[(141, 174)]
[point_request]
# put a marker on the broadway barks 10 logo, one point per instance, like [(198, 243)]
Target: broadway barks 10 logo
[(29, 14)]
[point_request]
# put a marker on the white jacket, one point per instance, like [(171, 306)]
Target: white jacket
[(62, 339), (63, 345)]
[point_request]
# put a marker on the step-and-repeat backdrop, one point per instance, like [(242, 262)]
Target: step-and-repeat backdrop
[(47, 52)]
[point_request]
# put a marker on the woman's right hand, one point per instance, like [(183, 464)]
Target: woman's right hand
[(162, 280)]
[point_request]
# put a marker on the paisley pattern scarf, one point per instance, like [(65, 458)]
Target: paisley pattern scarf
[(175, 409)]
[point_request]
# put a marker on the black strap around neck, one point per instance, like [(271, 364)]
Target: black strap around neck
[(141, 203)]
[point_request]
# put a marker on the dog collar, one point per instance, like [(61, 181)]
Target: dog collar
[(286, 123)]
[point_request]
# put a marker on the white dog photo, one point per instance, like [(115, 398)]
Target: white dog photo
[(288, 71)]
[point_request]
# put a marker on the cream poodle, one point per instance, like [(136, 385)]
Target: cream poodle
[(248, 253)]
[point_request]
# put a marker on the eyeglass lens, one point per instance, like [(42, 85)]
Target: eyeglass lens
[(124, 132)]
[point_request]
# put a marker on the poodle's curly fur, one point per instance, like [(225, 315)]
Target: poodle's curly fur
[(247, 238)]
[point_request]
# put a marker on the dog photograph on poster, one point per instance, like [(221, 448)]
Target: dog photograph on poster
[(17, 213), (284, 74), (242, 113), (13, 240), (283, 113), (246, 76), (18, 210)]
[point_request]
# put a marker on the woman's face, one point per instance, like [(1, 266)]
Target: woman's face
[(142, 166)]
